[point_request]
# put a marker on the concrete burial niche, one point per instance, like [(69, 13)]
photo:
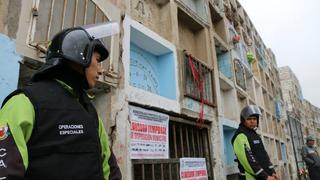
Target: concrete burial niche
[(150, 67), (193, 36), (229, 127), (196, 7), (154, 14)]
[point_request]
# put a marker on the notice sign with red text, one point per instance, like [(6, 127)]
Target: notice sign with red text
[(193, 169), (148, 134)]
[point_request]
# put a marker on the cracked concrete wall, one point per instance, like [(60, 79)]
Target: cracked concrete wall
[(9, 17), (152, 15)]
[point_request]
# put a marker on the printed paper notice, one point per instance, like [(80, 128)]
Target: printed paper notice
[(148, 134), (193, 169)]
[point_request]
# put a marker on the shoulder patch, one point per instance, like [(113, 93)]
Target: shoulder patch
[(4, 132), (256, 141)]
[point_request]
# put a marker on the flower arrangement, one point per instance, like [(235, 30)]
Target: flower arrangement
[(250, 57), (303, 172), (236, 39)]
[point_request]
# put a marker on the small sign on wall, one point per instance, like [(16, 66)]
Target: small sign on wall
[(193, 169), (149, 134)]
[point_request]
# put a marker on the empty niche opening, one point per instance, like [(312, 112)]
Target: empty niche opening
[(192, 36), (224, 59), (197, 8), (153, 14), (152, 65)]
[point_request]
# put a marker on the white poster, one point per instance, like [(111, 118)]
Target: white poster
[(193, 169), (149, 134)]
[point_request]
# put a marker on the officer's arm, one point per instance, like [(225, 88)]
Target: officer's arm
[(246, 157), (111, 169), (304, 153), (16, 124), (271, 166)]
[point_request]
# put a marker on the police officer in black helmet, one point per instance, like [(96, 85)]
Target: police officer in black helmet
[(253, 160), (310, 155), (49, 129)]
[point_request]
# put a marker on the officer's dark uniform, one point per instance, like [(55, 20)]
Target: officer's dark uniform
[(49, 129), (311, 156), (253, 160)]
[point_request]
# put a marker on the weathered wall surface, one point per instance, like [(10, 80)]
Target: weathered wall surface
[(9, 17)]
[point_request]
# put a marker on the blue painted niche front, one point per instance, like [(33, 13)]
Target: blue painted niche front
[(229, 155), (9, 68), (152, 66)]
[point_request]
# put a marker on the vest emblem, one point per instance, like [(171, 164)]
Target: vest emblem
[(256, 142), (4, 132)]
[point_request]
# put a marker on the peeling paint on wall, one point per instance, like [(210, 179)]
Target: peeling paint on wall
[(9, 17), (152, 73), (9, 66), (195, 106)]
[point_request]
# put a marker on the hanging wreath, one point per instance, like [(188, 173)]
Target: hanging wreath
[(250, 57), (236, 39)]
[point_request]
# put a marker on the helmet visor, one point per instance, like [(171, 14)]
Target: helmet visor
[(250, 110), (102, 30)]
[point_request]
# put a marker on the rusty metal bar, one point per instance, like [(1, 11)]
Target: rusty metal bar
[(170, 173), (175, 141), (85, 11), (207, 151), (201, 143), (162, 173), (155, 161), (181, 120), (152, 172), (177, 171), (95, 14), (75, 13), (188, 145), (50, 20), (142, 167), (193, 143), (63, 13), (198, 141), (181, 141)]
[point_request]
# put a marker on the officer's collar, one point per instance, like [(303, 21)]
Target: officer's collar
[(70, 89), (243, 126), (66, 86)]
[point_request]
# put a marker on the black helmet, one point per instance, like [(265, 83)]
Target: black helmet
[(251, 110), (77, 45)]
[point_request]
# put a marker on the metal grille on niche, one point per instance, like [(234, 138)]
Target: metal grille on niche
[(240, 74), (185, 140)]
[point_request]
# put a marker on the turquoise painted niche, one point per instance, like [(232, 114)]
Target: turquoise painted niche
[(224, 64), (153, 73), (228, 133), (284, 153), (9, 68)]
